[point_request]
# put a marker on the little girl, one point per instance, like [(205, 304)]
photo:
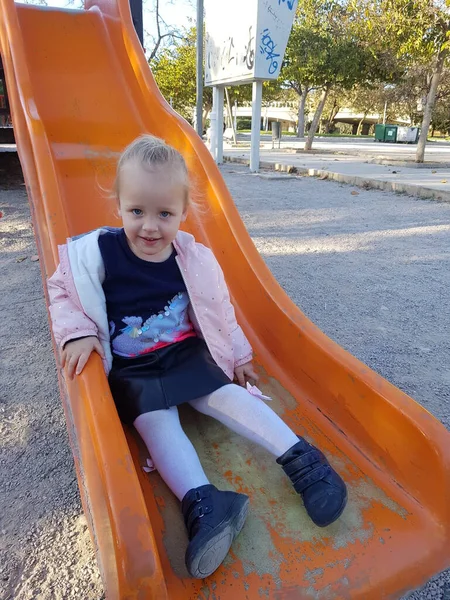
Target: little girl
[(154, 304)]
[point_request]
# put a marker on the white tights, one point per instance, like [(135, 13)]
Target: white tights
[(174, 455)]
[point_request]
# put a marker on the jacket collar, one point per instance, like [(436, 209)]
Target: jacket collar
[(184, 244)]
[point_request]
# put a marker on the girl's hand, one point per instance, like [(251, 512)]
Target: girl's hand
[(246, 373), (76, 353)]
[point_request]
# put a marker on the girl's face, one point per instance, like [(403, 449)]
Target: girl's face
[(152, 205)]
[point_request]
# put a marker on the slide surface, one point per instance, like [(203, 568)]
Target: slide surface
[(80, 90)]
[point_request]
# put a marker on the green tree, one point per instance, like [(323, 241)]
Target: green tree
[(426, 38), (344, 63), (441, 113), (406, 97), (441, 118), (243, 93), (367, 99), (299, 67), (419, 31), (336, 100), (326, 51), (174, 71)]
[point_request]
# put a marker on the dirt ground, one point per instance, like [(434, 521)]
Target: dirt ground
[(45, 548), (372, 270)]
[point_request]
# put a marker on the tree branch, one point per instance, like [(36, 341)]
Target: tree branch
[(171, 33)]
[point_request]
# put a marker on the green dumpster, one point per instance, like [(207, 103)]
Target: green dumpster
[(390, 133), (379, 132), (385, 133)]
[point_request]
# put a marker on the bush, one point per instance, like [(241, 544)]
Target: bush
[(244, 124)]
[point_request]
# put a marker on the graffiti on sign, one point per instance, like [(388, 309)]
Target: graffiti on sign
[(230, 54), (267, 48), (289, 3), (220, 58), (273, 14), (250, 47), (249, 57)]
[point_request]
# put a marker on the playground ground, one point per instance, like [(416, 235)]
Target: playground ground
[(370, 268)]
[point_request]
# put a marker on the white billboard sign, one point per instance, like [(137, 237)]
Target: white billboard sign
[(246, 39)]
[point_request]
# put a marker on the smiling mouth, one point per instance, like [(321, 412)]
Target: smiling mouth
[(148, 239)]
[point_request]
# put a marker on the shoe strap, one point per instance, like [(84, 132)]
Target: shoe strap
[(196, 497), (303, 461), (306, 480), (197, 512)]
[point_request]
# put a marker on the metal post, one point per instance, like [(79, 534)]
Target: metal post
[(235, 115), (219, 121), (385, 110), (213, 124), (230, 116), (136, 15), (199, 70), (256, 125)]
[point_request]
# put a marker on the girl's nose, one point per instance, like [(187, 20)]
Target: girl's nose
[(149, 225)]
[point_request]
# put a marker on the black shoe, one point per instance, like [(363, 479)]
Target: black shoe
[(213, 520), (323, 491)]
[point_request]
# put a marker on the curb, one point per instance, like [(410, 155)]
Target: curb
[(407, 163), (419, 191)]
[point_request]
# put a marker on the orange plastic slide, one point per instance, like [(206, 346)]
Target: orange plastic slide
[(80, 90)]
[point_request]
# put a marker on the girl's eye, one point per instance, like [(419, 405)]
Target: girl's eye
[(164, 214), (137, 212)]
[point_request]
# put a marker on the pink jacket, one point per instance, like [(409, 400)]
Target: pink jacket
[(78, 305)]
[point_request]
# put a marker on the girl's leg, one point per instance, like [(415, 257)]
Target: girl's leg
[(213, 518), (171, 450), (323, 491), (249, 416)]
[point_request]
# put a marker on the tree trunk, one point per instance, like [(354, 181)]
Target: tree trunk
[(428, 109), (316, 119), (333, 113), (301, 113), (360, 124)]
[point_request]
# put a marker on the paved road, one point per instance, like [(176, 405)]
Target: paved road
[(425, 181), (435, 151)]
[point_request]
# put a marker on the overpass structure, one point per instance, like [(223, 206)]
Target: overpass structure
[(286, 114)]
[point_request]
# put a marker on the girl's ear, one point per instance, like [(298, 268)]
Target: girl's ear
[(184, 216)]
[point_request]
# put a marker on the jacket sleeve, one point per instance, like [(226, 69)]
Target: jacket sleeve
[(68, 319), (241, 346)]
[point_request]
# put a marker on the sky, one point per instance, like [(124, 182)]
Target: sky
[(176, 13)]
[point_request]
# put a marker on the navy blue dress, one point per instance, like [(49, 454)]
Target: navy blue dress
[(158, 360)]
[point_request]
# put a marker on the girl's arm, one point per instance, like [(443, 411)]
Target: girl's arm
[(68, 319), (243, 353)]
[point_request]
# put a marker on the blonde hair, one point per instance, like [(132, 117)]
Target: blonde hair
[(153, 153)]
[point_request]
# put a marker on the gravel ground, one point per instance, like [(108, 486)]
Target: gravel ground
[(369, 269), (45, 548)]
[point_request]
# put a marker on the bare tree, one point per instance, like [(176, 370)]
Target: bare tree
[(164, 32)]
